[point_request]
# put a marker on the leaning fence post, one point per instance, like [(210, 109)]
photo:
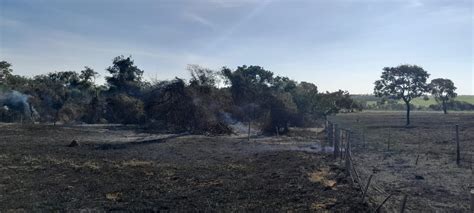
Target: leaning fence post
[(458, 152), (336, 141), (383, 202), (366, 187)]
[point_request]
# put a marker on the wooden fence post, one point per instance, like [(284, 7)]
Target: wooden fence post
[(336, 141), (472, 200), (329, 132), (348, 154), (363, 139), (388, 140), (341, 144), (404, 202), (458, 152), (248, 138)]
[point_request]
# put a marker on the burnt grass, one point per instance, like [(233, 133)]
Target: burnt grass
[(418, 161), (118, 169)]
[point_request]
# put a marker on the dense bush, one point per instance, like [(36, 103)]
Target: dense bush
[(124, 109)]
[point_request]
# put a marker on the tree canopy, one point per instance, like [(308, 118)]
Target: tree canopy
[(404, 82), (126, 77), (443, 91)]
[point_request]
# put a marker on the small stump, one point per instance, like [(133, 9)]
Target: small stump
[(74, 143)]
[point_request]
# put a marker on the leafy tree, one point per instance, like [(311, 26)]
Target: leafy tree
[(283, 84), (305, 96), (404, 82), (202, 76), (282, 111), (17, 82), (443, 91), (248, 83), (5, 71), (333, 102), (126, 77), (69, 79), (51, 95), (87, 77)]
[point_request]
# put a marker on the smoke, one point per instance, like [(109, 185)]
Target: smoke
[(237, 126), (18, 101)]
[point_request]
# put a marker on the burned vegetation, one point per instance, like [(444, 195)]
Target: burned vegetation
[(210, 102), (164, 145)]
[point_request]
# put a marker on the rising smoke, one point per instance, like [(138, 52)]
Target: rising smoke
[(18, 101)]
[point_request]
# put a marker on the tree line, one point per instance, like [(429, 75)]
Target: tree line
[(209, 102)]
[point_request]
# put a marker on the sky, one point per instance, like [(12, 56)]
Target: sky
[(336, 44)]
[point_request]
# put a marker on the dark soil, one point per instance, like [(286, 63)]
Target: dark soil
[(117, 169)]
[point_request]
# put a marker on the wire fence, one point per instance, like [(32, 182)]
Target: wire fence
[(364, 150)]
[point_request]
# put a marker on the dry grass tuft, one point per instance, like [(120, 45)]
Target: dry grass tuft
[(137, 163), (322, 178)]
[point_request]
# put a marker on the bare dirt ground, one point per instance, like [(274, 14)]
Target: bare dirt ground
[(419, 161), (117, 169)]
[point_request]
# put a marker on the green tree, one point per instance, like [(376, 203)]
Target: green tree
[(333, 102), (87, 77), (282, 111), (248, 83), (51, 93), (201, 76), (305, 96), (404, 82), (5, 71), (126, 77), (283, 84), (443, 91), (69, 79)]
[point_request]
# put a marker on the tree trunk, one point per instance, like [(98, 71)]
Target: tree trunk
[(445, 110), (56, 118), (408, 113)]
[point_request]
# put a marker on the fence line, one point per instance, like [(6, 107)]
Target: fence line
[(345, 140)]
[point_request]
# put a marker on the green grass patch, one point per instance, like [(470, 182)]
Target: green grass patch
[(426, 103)]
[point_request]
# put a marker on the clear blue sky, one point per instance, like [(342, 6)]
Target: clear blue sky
[(336, 44)]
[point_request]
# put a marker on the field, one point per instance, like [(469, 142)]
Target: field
[(426, 103), (418, 102), (121, 168), (418, 162), (118, 168)]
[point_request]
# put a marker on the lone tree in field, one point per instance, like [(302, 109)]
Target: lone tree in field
[(404, 82), (443, 90)]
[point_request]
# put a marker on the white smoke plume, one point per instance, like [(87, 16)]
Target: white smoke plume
[(18, 101)]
